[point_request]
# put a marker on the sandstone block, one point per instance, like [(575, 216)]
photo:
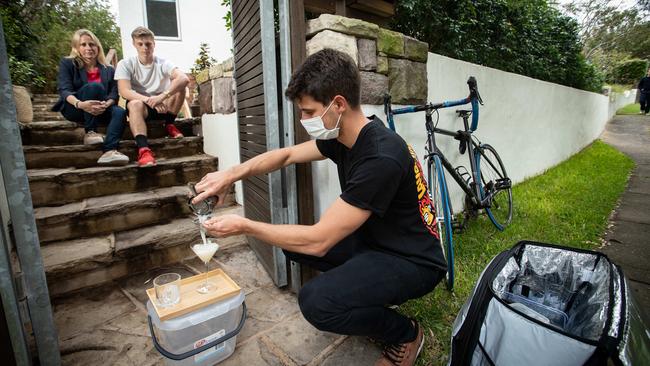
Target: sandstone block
[(338, 41), (223, 95), (202, 77), (373, 87), (408, 81), (228, 65), (367, 54), (205, 98), (341, 24), (391, 43), (215, 71), (415, 50), (382, 65)]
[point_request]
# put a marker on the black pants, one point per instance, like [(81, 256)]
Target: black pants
[(352, 295), (114, 116), (645, 103)]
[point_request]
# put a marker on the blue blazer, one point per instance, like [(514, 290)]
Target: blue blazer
[(71, 78)]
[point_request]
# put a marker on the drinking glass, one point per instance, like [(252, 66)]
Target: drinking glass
[(168, 289)]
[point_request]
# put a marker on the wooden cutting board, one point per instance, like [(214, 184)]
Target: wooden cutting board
[(191, 299)]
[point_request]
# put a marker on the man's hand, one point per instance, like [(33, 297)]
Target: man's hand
[(213, 184), (155, 101), (226, 225)]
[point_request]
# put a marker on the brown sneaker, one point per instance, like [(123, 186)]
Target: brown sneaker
[(403, 354)]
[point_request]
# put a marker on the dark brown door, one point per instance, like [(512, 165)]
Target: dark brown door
[(258, 120)]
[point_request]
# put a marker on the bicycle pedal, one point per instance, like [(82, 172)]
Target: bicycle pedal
[(503, 183)]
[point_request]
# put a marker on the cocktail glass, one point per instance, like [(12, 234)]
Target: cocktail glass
[(205, 251)]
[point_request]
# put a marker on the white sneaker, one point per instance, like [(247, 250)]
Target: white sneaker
[(113, 157), (92, 138)]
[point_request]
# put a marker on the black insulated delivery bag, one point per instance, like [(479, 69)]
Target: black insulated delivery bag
[(544, 304)]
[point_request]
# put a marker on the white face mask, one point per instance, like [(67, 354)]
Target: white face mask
[(316, 127)]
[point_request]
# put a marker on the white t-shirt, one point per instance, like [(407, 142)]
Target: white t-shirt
[(149, 80)]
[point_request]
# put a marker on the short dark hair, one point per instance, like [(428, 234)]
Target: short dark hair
[(324, 75)]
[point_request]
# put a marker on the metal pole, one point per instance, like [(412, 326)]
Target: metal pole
[(7, 289), (21, 212), (287, 120)]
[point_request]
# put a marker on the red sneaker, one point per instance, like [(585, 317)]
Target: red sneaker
[(173, 132), (145, 157)]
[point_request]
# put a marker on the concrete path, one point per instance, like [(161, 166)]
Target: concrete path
[(108, 325), (627, 242)]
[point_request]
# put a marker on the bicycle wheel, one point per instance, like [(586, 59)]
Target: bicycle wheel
[(440, 197), (494, 180)]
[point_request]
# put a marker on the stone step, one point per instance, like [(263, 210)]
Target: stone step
[(42, 107), (45, 96), (48, 116), (104, 215), (70, 133), (85, 156), (50, 187), (40, 99), (76, 264)]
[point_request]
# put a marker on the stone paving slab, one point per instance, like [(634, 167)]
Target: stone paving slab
[(628, 239), (244, 268), (300, 340), (623, 247), (354, 351), (267, 307), (88, 309), (108, 325)]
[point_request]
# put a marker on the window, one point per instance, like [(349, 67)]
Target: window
[(162, 18)]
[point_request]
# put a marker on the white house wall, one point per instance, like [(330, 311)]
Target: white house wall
[(534, 125), (200, 21)]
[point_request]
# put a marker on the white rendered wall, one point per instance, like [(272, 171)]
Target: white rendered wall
[(200, 21), (221, 139), (534, 125)]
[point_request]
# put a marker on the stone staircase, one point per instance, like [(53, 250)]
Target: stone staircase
[(97, 224)]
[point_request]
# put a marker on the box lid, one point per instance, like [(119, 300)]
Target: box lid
[(193, 301)]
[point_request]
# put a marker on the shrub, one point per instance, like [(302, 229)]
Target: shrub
[(525, 37), (23, 73)]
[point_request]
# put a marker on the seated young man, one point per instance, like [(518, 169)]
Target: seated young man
[(154, 89), (373, 245)]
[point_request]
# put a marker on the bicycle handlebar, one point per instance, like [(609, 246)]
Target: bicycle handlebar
[(474, 98)]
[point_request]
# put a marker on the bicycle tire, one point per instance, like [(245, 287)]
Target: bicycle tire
[(440, 198), (491, 168)]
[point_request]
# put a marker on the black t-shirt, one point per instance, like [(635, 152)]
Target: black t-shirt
[(381, 173)]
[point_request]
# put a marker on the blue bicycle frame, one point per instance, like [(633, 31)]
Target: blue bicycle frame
[(464, 136)]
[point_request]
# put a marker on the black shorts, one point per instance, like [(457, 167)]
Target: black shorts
[(152, 114)]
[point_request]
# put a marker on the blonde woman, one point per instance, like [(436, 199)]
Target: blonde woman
[(88, 95)]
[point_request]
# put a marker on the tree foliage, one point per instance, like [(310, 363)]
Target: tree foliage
[(612, 35), (630, 71), (204, 61), (528, 37), (38, 32)]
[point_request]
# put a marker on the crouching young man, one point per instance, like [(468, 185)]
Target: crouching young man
[(373, 245), (154, 89)]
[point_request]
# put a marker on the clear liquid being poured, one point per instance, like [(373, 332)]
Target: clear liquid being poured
[(202, 219)]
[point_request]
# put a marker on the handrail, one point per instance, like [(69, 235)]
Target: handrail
[(111, 57)]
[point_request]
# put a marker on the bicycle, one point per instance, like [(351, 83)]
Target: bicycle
[(491, 192)]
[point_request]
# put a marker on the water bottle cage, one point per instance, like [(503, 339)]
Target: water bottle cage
[(464, 174)]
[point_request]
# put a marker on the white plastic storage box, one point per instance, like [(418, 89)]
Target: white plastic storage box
[(203, 337)]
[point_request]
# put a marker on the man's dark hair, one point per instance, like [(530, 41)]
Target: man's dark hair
[(324, 75)]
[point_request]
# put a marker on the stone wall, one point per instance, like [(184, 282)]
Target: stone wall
[(389, 62), (217, 88)]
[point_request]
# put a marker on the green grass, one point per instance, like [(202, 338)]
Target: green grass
[(569, 204), (633, 108)]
